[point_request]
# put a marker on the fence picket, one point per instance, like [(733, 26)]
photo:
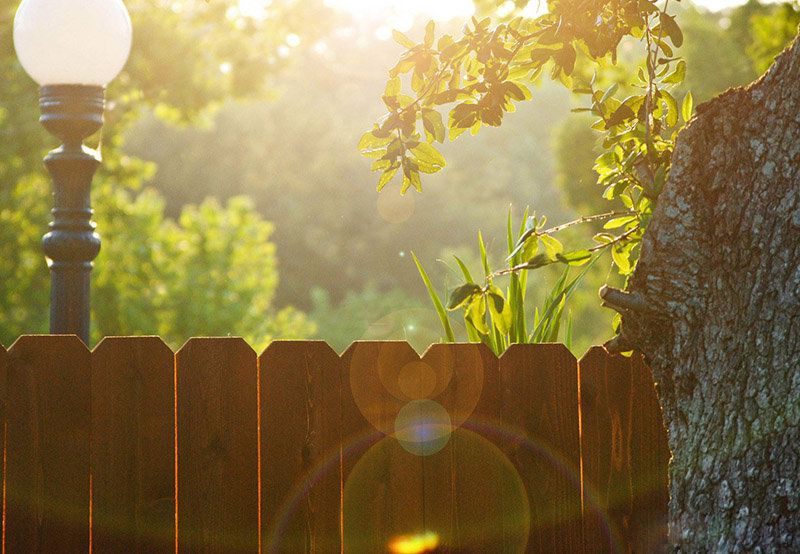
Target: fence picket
[(540, 407), (217, 446), (300, 387), (47, 452), (382, 483), (625, 455), (466, 502), (4, 363), (133, 468)]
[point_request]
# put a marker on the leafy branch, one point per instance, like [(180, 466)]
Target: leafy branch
[(479, 77)]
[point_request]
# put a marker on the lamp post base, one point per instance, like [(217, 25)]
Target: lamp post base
[(71, 113)]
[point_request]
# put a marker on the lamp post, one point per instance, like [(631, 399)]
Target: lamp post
[(72, 48)]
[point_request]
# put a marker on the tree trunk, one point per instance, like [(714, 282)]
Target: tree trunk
[(715, 306)]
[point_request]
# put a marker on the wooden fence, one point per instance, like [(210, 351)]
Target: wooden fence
[(131, 448)]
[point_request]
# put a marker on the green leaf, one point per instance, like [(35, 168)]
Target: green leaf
[(434, 127), (672, 108), (476, 314), (393, 86), (568, 334), (430, 30), (381, 165), (500, 310), (622, 259), (403, 40), (555, 325), (387, 176), (509, 232), (462, 295), (576, 257), (410, 178), (686, 107), (619, 116), (518, 91), (370, 145), (539, 260), (437, 303), (565, 58), (552, 246), (618, 222), (678, 75), (671, 28), (428, 155), (462, 118), (609, 93)]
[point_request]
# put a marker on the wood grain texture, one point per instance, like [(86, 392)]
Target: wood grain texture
[(540, 408), (383, 483), (133, 469), (48, 427), (300, 388), (4, 362), (217, 446), (466, 504), (625, 455)]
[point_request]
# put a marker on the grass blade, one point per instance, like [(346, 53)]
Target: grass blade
[(484, 258), (464, 269), (437, 302), (568, 337)]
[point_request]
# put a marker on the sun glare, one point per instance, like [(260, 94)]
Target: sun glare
[(400, 14), (440, 9)]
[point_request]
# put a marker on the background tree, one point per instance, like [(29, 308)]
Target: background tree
[(166, 73)]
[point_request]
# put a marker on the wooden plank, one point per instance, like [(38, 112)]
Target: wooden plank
[(650, 464), (382, 482), (625, 455), (217, 446), (300, 387), (48, 427), (540, 408), (4, 363), (468, 503), (133, 434)]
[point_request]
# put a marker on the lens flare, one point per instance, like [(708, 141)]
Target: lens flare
[(417, 380), (423, 427), (468, 494), (414, 544), (396, 208)]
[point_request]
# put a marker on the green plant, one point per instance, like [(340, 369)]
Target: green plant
[(499, 317), (485, 72)]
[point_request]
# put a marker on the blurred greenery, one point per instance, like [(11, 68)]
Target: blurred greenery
[(269, 131), (147, 275)]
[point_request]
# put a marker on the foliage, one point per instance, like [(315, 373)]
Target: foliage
[(771, 32), (575, 148), (485, 72), (715, 55), (24, 281), (498, 317), (719, 52), (167, 73), (213, 272)]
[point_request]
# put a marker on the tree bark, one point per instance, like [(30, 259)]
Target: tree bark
[(718, 317)]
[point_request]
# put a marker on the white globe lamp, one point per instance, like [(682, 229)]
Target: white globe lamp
[(73, 49)]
